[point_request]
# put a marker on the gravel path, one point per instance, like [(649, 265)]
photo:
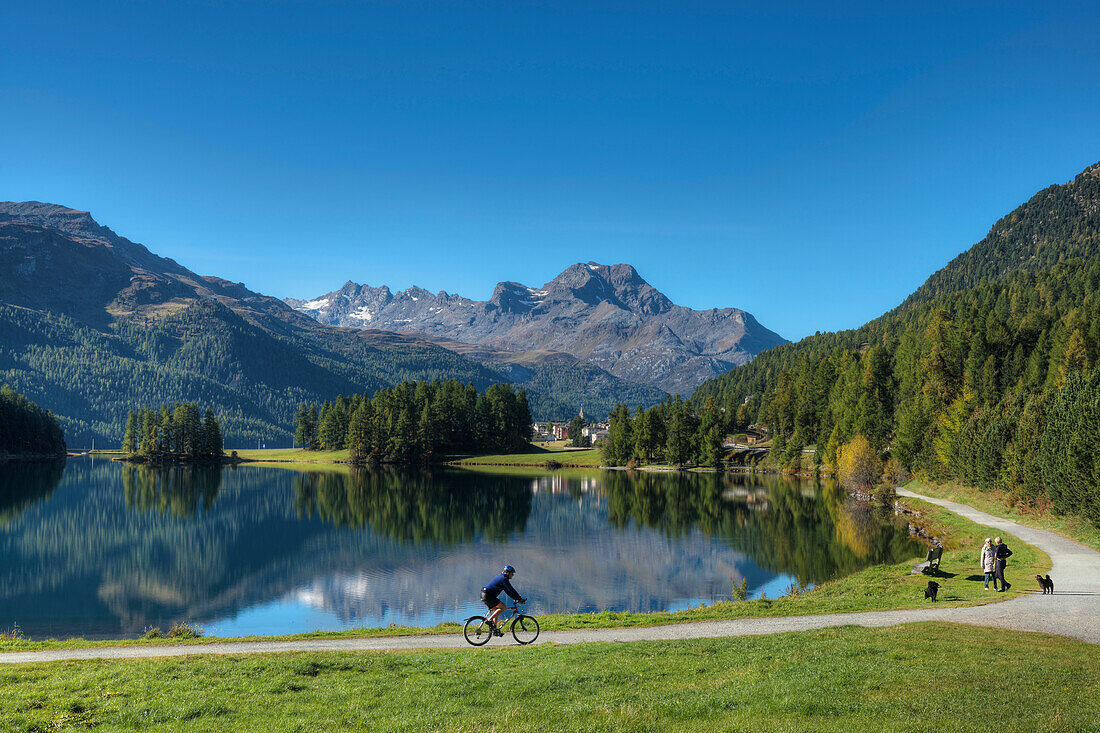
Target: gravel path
[(1074, 611)]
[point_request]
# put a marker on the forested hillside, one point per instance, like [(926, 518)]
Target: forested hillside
[(27, 429), (988, 373), (204, 353), (92, 324), (560, 386)]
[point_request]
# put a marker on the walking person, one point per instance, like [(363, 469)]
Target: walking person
[(989, 563), (1002, 554)]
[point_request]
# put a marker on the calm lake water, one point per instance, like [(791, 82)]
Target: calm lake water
[(99, 549)]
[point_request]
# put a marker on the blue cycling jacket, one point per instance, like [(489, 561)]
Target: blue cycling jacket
[(500, 583)]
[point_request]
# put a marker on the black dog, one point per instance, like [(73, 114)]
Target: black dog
[(1046, 584), (932, 589)]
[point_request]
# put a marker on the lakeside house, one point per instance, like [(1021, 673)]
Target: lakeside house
[(556, 430), (550, 430), (595, 432)]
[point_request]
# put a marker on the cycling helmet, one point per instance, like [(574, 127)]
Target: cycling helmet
[(509, 569)]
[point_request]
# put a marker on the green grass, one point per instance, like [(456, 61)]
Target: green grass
[(912, 677), (998, 503), (877, 588), (537, 455), (293, 455)]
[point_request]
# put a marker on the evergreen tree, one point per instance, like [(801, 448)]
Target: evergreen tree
[(577, 439), (27, 429), (212, 435), (358, 440), (130, 435)]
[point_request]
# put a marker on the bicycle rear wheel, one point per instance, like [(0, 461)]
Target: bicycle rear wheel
[(477, 630), (525, 629)]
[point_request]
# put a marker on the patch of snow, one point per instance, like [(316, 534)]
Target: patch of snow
[(362, 314), (315, 305), (414, 297), (593, 268)]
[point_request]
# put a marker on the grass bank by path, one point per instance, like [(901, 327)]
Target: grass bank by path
[(877, 588), (999, 504), (913, 677)]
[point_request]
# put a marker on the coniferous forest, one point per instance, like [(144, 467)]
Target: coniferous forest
[(174, 434), (988, 374), (417, 422), (672, 432), (27, 429)]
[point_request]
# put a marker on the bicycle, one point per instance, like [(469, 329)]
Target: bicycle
[(524, 628)]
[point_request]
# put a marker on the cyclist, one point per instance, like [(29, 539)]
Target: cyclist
[(491, 592)]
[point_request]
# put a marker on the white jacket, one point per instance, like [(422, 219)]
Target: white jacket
[(988, 558)]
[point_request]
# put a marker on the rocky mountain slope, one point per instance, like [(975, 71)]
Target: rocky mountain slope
[(92, 325), (602, 315)]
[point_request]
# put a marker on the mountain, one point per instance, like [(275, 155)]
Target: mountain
[(603, 315), (988, 373), (92, 325), (559, 385)]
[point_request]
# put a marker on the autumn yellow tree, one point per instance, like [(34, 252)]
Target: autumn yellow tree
[(858, 464), (1075, 357)]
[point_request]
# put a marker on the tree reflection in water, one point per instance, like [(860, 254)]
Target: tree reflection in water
[(22, 484), (176, 490), (416, 507), (813, 531), (114, 548)]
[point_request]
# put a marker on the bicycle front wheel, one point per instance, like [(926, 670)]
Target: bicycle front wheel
[(525, 629), (477, 630)]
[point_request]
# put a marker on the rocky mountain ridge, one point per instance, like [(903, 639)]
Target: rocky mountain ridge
[(604, 315)]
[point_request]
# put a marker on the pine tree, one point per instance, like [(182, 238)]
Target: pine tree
[(212, 435), (312, 442), (358, 440), (1075, 356), (130, 436)]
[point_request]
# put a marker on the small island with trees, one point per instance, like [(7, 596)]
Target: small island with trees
[(172, 435)]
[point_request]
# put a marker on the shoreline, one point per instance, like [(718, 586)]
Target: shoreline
[(897, 588), (160, 463), (32, 457)]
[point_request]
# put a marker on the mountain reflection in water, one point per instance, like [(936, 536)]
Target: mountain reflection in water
[(101, 549)]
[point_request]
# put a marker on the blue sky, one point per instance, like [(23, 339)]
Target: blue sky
[(811, 164)]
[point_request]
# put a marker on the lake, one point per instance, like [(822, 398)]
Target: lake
[(99, 549)]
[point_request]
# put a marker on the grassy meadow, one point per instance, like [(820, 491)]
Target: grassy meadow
[(538, 455), (931, 676)]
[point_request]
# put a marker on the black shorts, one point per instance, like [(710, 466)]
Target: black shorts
[(489, 599)]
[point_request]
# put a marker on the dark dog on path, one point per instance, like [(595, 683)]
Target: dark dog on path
[(932, 589), (1046, 584)]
